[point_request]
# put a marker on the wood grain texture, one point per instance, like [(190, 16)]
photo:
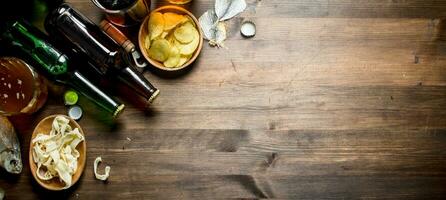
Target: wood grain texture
[(332, 99)]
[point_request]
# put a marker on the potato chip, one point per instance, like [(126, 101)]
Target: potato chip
[(174, 57), (186, 19), (156, 25), (172, 38), (188, 49), (171, 20), (160, 50), (183, 60), (147, 43), (164, 34), (185, 33)]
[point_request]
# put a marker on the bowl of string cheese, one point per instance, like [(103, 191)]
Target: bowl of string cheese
[(57, 152)]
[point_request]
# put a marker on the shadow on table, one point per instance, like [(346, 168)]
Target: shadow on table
[(11, 178), (173, 74), (43, 193), (440, 32)]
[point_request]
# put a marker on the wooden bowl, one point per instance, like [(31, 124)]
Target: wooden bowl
[(143, 31), (55, 184)]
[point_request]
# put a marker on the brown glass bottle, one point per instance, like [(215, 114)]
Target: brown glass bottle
[(32, 45), (103, 52)]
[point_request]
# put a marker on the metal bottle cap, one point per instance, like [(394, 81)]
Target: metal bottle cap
[(75, 112), (248, 29)]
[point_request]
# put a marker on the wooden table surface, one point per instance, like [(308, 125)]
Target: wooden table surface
[(331, 99)]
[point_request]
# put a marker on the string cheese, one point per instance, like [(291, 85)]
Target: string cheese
[(55, 153)]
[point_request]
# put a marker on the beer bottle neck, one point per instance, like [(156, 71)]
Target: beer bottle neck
[(139, 83), (85, 87)]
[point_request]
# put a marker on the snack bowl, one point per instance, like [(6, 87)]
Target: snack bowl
[(55, 184), (143, 32)]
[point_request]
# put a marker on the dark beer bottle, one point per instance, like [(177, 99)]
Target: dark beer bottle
[(104, 53), (55, 65)]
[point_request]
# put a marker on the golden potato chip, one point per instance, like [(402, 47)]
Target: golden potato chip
[(174, 57), (183, 60), (171, 39), (171, 20), (187, 19), (190, 24), (188, 49), (160, 50), (185, 33), (164, 34), (184, 20), (156, 25), (147, 43)]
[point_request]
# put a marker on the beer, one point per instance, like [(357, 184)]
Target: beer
[(31, 43), (179, 1), (22, 90), (124, 12), (103, 52), (139, 61), (116, 5)]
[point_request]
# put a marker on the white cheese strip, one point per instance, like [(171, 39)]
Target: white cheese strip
[(56, 154), (101, 177)]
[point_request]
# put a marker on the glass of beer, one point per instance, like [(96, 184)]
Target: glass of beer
[(22, 90), (124, 12), (179, 1)]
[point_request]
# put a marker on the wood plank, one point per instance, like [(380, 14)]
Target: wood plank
[(335, 8), (242, 186), (317, 153), (326, 29), (314, 9), (240, 152), (312, 107), (331, 99)]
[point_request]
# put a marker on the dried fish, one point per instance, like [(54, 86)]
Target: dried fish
[(207, 23), (10, 158), (213, 30), (227, 9), (211, 21), (219, 33)]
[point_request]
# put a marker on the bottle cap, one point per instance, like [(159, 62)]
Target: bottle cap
[(70, 97), (75, 112), (248, 29)]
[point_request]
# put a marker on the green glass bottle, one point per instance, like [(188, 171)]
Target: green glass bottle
[(54, 64)]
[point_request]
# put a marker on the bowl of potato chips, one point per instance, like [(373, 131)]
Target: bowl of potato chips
[(170, 38)]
